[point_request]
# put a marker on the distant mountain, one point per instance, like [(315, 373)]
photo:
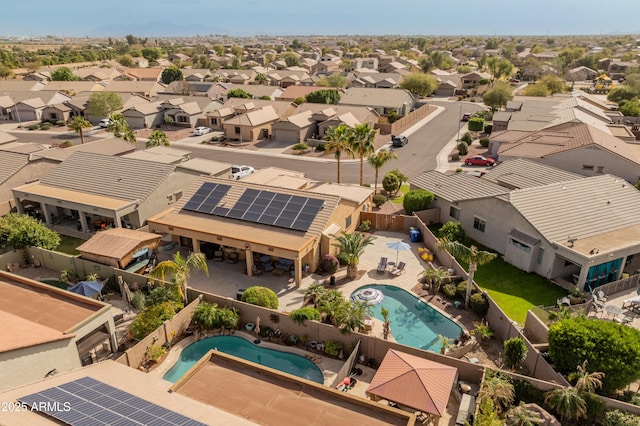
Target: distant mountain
[(156, 29)]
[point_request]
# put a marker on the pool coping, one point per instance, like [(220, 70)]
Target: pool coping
[(328, 366)]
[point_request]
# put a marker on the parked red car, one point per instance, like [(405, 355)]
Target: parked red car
[(479, 160)]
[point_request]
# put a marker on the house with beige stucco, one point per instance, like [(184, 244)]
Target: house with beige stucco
[(564, 227)]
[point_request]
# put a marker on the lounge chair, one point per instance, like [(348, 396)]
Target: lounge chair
[(382, 266), (398, 269)]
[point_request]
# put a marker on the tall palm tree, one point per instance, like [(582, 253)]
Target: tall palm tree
[(435, 277), (386, 323), (586, 382), (179, 270), (352, 245), (158, 138), (78, 124), (337, 138), (522, 416), (379, 159), (362, 141), (471, 255), (567, 402), (121, 129)]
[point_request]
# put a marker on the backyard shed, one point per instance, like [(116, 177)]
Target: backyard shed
[(116, 247)]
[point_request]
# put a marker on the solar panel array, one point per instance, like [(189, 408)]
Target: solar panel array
[(265, 207), (90, 402)]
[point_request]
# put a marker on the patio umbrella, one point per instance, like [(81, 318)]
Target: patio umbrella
[(370, 296), (86, 288), (398, 246), (257, 327)]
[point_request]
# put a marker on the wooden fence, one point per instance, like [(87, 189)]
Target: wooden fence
[(409, 119), (388, 222)]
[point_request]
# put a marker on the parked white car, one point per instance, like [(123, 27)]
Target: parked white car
[(238, 172), (199, 131), (104, 123)]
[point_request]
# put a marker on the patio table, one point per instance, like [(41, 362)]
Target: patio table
[(614, 310)]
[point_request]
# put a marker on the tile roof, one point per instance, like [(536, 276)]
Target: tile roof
[(388, 98), (256, 117), (109, 176), (207, 167), (522, 173), (456, 187), (356, 193), (11, 162), (117, 243), (109, 146)]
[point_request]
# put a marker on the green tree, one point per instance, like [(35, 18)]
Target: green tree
[(337, 138), (567, 402), (435, 277), (337, 80), (536, 89), (126, 60), (553, 83), (498, 95), (351, 317), (171, 74), (515, 352), (630, 108), (160, 295), (178, 271), (326, 96), (261, 78), (20, 232), (78, 124), (239, 93), (417, 200), (63, 74), (499, 67), (153, 317), (260, 296), (379, 159), (419, 84), (291, 59), (391, 184), (608, 347), (452, 231), (522, 416), (622, 93), (441, 60), (158, 138), (471, 255), (386, 323), (531, 69), (425, 63), (487, 414), (152, 54), (103, 104), (5, 72), (352, 245), (299, 316), (362, 141)]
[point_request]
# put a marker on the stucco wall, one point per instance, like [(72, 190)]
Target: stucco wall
[(158, 201)]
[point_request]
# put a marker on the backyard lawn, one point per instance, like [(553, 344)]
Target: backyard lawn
[(403, 190), (68, 245)]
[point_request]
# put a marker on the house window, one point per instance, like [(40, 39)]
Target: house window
[(600, 169), (540, 256), (454, 212), (519, 245), (347, 222), (587, 167), (214, 121), (182, 119), (54, 116), (479, 224), (237, 130)]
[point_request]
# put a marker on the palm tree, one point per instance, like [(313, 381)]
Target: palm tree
[(229, 318), (471, 255), (586, 382), (352, 245), (78, 124), (362, 141), (498, 389), (386, 324), (351, 317), (567, 402), (179, 270), (158, 138), (435, 277), (337, 138), (563, 312), (522, 416), (330, 303), (260, 78), (445, 343), (379, 159), (314, 291), (206, 316), (121, 129)]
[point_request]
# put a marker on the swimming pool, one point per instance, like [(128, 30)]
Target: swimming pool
[(242, 348), (413, 322)]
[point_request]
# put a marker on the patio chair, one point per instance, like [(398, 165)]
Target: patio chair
[(602, 296), (398, 269), (218, 256), (382, 266), (233, 257), (256, 271)]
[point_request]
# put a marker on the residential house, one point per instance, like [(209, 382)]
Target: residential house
[(186, 111), (146, 88), (144, 116), (382, 100), (581, 73), (40, 76), (20, 85), (359, 63), (241, 77), (105, 191), (193, 74), (265, 233), (27, 106), (254, 124), (74, 87), (97, 73), (56, 112), (377, 80), (586, 233), (236, 106), (48, 330), (180, 57), (394, 67), (141, 62), (618, 69), (474, 78), (286, 78), (140, 74), (292, 93)]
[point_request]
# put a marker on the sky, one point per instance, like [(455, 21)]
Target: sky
[(79, 18)]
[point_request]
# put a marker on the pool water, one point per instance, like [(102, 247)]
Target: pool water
[(242, 348), (413, 322)]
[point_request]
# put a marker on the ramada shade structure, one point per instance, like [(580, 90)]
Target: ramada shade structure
[(413, 382)]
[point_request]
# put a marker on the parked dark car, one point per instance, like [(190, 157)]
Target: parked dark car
[(466, 116), (399, 141)]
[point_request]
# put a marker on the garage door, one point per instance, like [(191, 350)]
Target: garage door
[(135, 122), (290, 136)]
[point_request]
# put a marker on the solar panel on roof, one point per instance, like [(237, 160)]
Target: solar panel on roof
[(89, 402), (207, 197)]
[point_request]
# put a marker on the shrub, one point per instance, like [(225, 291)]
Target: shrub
[(332, 348), (479, 304), (463, 148), (151, 318), (33, 127), (467, 138), (452, 231), (330, 264), (488, 128), (631, 397), (485, 81), (365, 225), (138, 299), (160, 295), (459, 170), (155, 352), (608, 347), (299, 100), (392, 117), (343, 258), (476, 124), (299, 316), (461, 290), (320, 147), (391, 183), (595, 408), (484, 142), (526, 392), (260, 296), (60, 123), (66, 144), (45, 126), (620, 418), (379, 200), (515, 351), (265, 332), (417, 200), (300, 147), (449, 290)]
